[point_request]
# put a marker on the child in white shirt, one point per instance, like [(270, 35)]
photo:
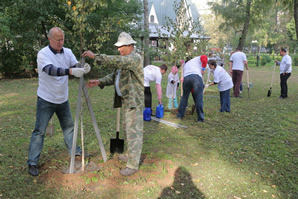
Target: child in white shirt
[(173, 83)]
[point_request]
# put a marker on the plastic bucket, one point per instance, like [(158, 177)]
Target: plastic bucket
[(159, 111), (147, 114)]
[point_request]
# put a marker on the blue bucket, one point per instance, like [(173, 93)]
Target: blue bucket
[(147, 114), (159, 111)]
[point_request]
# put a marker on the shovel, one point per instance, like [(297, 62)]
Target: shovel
[(206, 83), (51, 128), (117, 145), (247, 83), (270, 90)]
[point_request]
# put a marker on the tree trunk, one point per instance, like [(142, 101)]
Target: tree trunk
[(276, 24), (296, 16), (146, 35), (245, 26)]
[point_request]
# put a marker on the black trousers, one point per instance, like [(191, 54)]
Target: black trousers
[(284, 85), (148, 97)]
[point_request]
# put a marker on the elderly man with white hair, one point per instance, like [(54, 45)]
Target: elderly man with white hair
[(55, 63)]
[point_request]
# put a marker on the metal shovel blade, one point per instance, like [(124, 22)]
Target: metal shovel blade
[(269, 92), (116, 145)]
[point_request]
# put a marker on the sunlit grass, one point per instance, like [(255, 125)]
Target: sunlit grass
[(248, 153)]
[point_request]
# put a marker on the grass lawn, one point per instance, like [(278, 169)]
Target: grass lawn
[(248, 153)]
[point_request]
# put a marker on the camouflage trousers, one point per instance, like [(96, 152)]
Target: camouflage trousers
[(133, 127)]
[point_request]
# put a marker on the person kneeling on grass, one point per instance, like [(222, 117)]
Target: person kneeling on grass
[(225, 83)]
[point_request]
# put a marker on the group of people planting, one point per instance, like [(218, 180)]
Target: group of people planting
[(132, 91)]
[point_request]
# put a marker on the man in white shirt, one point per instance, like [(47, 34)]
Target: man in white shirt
[(237, 62), (192, 79), (55, 64), (153, 74), (285, 72)]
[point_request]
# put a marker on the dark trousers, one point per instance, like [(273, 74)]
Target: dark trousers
[(148, 97), (192, 82), (237, 80), (225, 101), (284, 85)]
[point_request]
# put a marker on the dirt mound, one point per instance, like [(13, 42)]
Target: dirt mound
[(99, 175)]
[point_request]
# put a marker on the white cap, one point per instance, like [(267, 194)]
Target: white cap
[(124, 39)]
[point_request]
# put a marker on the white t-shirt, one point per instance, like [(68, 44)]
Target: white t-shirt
[(286, 60), (193, 67), (222, 78), (238, 59), (152, 74), (54, 89)]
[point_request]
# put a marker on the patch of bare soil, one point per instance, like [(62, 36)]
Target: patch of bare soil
[(96, 176)]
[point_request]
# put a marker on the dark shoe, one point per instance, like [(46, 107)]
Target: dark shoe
[(80, 154), (33, 170), (179, 118), (128, 172), (199, 121), (123, 158)]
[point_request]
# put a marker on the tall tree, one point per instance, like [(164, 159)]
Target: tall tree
[(245, 25), (241, 15), (146, 34), (296, 16)]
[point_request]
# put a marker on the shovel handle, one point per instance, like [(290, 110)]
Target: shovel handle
[(181, 89), (273, 75), (206, 83), (247, 74), (118, 121)]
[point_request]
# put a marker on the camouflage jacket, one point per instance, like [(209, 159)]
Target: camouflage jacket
[(131, 82)]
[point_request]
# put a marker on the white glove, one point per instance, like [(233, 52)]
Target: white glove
[(78, 72), (207, 85), (87, 68)]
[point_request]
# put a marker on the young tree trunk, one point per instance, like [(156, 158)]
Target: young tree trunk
[(246, 25), (276, 24), (146, 35), (296, 16)]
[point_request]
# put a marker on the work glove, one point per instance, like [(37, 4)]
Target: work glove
[(87, 68), (79, 72)]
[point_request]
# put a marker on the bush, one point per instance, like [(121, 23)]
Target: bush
[(10, 61), (265, 59), (295, 59)]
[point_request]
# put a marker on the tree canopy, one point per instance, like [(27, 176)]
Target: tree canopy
[(268, 22), (24, 26)]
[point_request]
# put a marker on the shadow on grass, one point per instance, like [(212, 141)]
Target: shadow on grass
[(182, 187)]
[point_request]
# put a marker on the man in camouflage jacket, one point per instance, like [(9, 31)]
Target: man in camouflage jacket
[(128, 79)]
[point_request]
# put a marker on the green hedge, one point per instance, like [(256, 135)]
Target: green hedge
[(295, 59)]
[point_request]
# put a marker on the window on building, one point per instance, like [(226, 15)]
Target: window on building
[(151, 19)]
